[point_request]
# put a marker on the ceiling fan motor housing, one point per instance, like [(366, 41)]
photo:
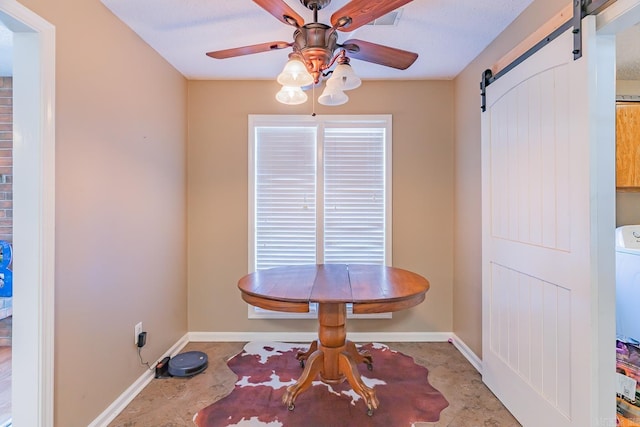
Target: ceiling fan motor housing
[(315, 4), (315, 42)]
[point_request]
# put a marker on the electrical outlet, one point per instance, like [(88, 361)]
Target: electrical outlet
[(137, 330)]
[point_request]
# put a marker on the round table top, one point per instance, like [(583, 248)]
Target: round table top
[(370, 288)]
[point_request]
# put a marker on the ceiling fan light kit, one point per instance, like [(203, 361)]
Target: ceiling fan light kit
[(332, 96), (343, 76), (291, 95), (314, 46), (295, 73)]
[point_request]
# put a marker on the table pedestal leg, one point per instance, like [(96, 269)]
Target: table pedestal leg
[(335, 358), (359, 356), (304, 355), (350, 369), (314, 365)]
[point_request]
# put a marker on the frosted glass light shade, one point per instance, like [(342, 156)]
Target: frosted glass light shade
[(344, 78), (332, 96), (291, 95), (295, 74)]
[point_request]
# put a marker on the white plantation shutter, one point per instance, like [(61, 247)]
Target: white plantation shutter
[(285, 196), (354, 195), (319, 192)]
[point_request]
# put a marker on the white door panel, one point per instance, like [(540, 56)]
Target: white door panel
[(539, 307)]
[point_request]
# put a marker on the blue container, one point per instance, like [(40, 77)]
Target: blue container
[(6, 275)]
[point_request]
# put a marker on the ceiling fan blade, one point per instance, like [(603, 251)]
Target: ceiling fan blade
[(282, 11), (379, 54), (362, 12), (248, 50)]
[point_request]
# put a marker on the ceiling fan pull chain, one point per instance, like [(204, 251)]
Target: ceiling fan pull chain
[(313, 101)]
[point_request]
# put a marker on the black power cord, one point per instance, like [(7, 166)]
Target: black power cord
[(143, 362), (142, 340)]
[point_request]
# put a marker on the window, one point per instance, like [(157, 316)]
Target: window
[(319, 191)]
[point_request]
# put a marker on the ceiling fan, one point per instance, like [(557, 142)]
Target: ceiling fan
[(314, 43)]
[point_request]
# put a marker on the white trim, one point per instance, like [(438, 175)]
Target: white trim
[(619, 16), (134, 389), (34, 210), (252, 336), (388, 197), (310, 336), (602, 124), (475, 361)]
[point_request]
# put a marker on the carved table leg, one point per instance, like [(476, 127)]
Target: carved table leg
[(350, 369), (308, 375), (359, 356), (304, 355)]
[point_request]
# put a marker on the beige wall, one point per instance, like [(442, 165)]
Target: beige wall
[(217, 199), (467, 295), (120, 206), (627, 208), (627, 203)]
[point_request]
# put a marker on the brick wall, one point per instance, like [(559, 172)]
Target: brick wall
[(6, 158), (6, 187)]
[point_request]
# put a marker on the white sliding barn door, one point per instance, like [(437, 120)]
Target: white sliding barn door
[(539, 314)]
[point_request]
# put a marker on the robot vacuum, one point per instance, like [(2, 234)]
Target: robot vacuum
[(188, 364)]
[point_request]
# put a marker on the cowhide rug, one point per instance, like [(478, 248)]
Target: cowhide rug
[(265, 370)]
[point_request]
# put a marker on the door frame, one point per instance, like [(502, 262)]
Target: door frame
[(34, 214)]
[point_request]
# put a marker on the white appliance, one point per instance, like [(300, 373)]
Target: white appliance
[(628, 283)]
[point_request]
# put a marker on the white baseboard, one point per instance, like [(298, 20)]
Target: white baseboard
[(310, 336), (130, 393), (353, 336), (467, 353)]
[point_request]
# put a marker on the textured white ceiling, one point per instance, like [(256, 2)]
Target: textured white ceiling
[(458, 31), (447, 34)]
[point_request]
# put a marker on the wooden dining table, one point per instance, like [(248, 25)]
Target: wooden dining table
[(369, 288)]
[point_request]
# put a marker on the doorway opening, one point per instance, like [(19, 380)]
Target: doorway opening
[(627, 214), (33, 153), (6, 242), (6, 222)]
